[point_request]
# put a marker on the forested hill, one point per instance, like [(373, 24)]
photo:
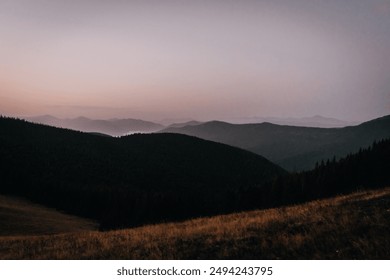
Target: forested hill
[(124, 181), (368, 168), (294, 148)]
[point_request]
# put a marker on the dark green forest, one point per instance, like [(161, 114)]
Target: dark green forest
[(150, 178)]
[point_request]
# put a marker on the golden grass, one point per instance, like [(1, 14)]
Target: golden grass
[(21, 217), (355, 226)]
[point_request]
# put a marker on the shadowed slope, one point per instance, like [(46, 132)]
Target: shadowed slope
[(21, 217)]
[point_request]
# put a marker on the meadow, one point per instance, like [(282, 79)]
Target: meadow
[(354, 226)]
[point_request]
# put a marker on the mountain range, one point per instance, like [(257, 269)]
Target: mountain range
[(120, 127), (314, 121), (113, 127), (293, 148)]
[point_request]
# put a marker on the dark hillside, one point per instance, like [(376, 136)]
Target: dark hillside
[(20, 217), (369, 168), (125, 181)]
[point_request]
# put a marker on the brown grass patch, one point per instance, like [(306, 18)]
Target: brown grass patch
[(355, 226)]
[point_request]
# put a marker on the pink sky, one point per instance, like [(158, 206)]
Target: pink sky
[(195, 59)]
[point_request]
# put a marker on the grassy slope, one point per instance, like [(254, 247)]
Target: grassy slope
[(355, 226), (21, 217)]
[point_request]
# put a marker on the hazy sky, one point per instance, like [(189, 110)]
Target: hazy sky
[(195, 59)]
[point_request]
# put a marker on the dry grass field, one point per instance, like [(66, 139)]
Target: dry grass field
[(19, 217), (355, 226)]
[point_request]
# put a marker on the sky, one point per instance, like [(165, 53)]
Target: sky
[(204, 59)]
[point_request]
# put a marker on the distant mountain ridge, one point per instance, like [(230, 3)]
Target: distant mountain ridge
[(185, 124), (113, 127), (120, 127), (314, 121), (293, 148)]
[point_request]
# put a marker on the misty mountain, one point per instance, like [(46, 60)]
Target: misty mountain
[(293, 148), (189, 123), (315, 121), (113, 127), (129, 180)]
